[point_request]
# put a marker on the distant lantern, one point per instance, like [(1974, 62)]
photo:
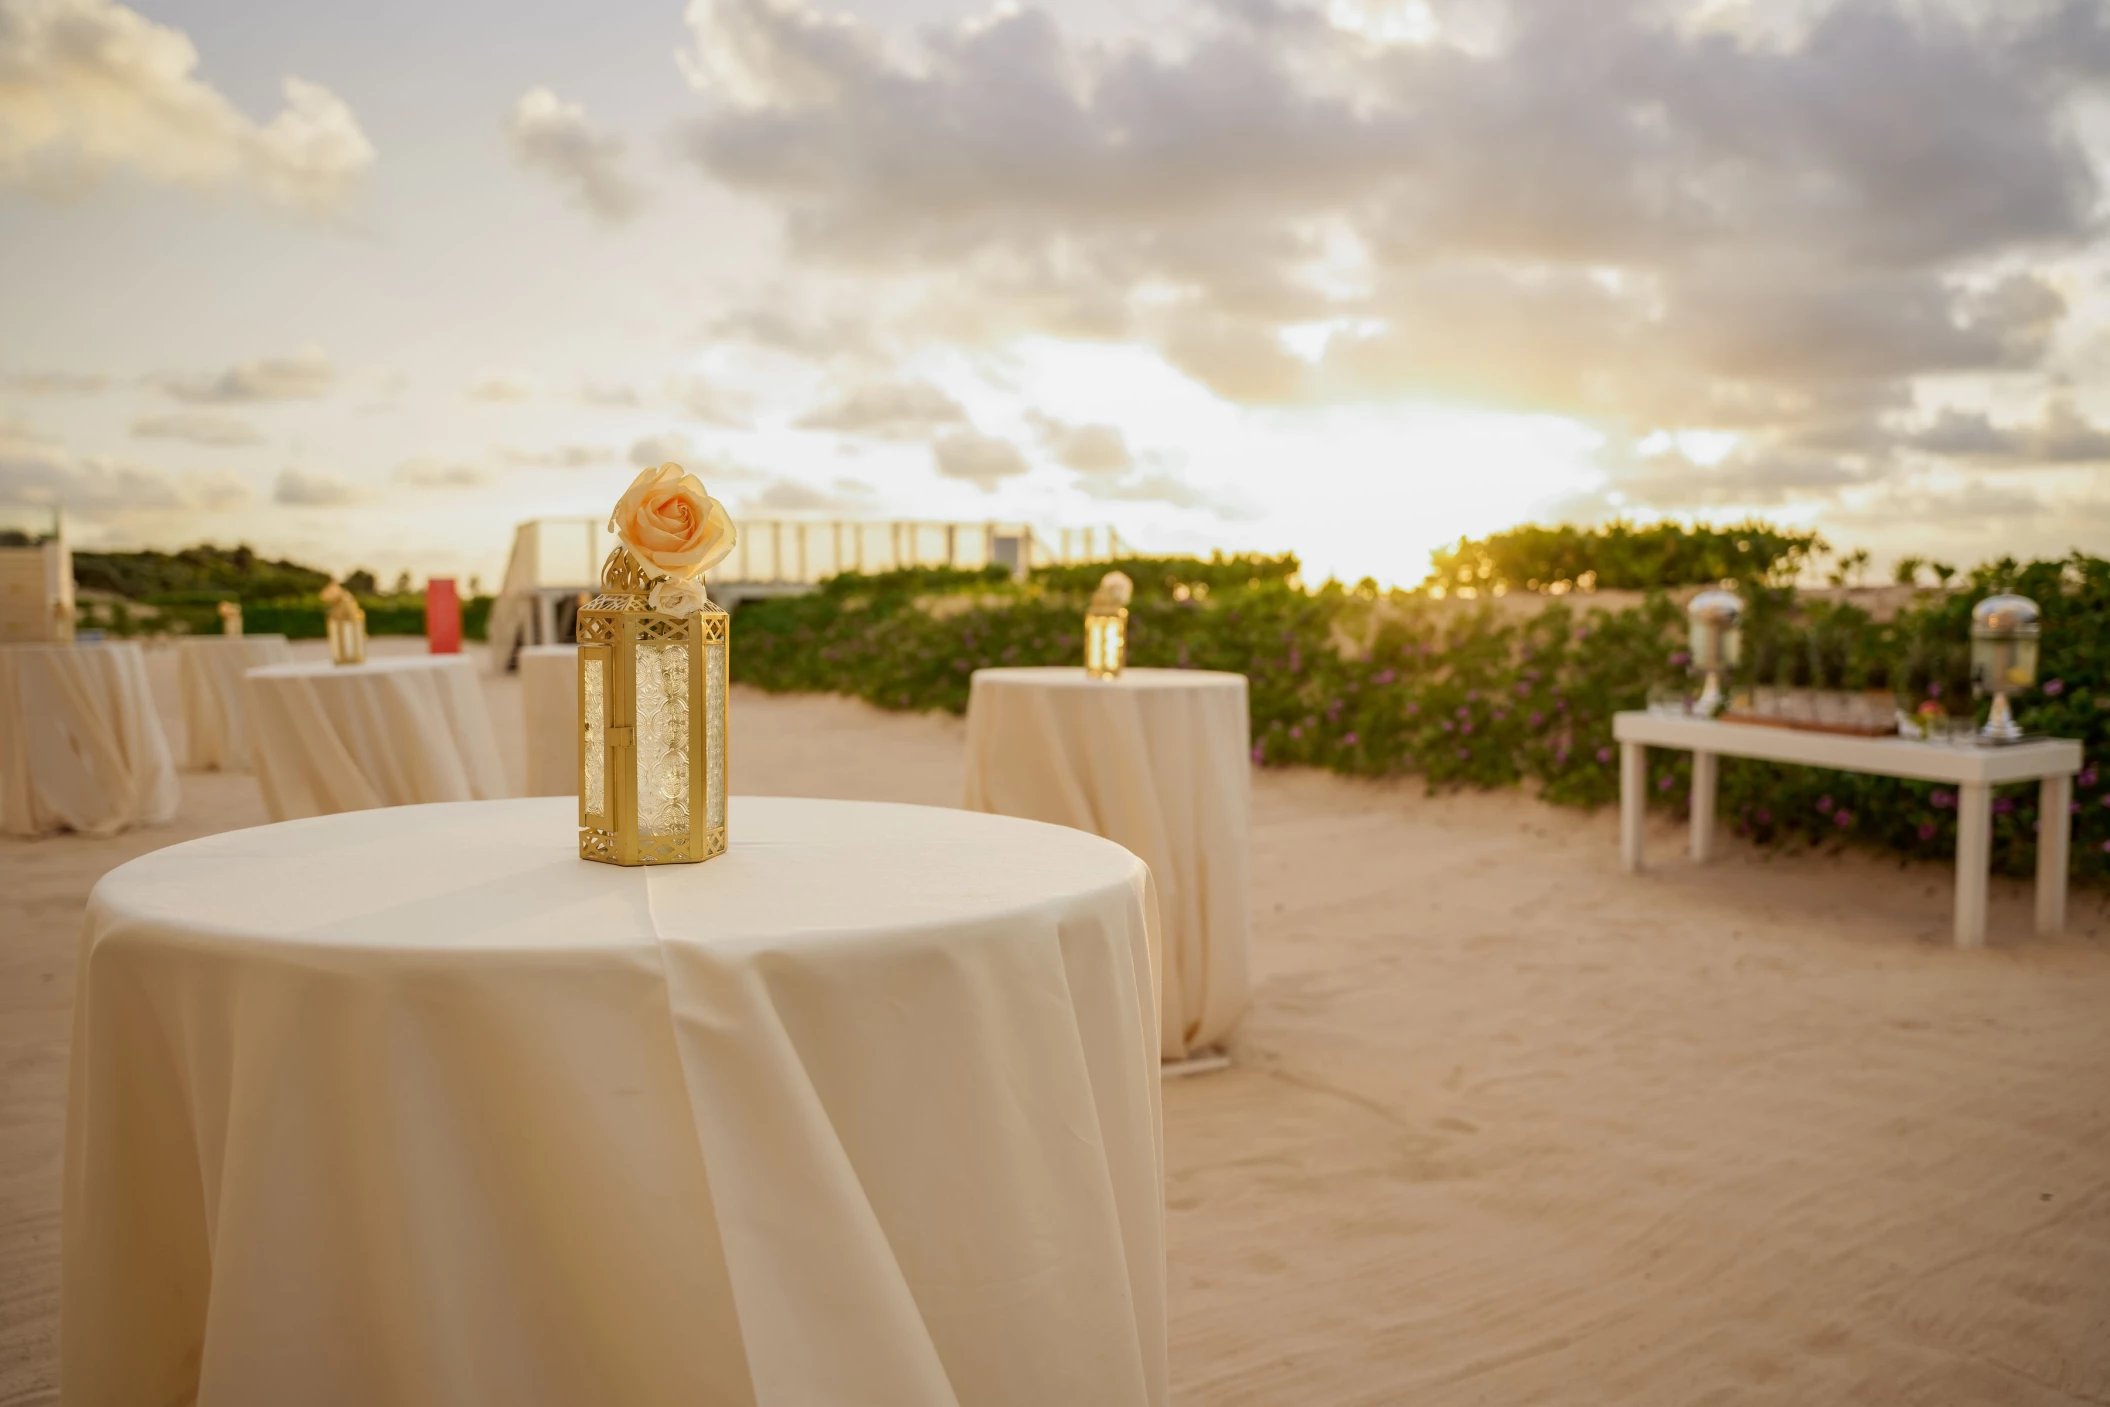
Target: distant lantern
[(1106, 627), (346, 624), (652, 711), (1717, 641), (2004, 632), (230, 617)]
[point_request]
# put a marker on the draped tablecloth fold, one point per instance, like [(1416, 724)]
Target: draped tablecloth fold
[(81, 746)]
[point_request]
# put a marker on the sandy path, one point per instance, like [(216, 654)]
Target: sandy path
[(1507, 1127)]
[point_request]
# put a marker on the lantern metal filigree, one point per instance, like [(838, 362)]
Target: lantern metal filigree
[(2004, 638), (346, 625), (652, 725), (1106, 627)]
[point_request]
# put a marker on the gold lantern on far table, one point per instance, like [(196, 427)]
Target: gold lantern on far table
[(230, 617), (653, 655), (346, 625), (1106, 627), (2004, 636)]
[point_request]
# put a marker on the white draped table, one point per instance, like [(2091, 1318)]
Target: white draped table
[(81, 746), (1157, 760), (394, 731), (415, 1106), (210, 668), (549, 696)]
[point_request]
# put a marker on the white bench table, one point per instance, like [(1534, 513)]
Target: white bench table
[(1974, 771)]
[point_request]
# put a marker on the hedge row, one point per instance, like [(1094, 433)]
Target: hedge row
[(298, 618), (1376, 685)]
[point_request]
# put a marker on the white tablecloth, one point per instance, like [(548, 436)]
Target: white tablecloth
[(549, 695), (394, 731), (415, 1106), (1158, 760), (210, 667), (81, 746)]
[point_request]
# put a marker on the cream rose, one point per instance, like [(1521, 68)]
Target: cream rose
[(671, 525), (1115, 590), (678, 596)]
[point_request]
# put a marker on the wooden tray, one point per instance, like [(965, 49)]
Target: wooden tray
[(1811, 725)]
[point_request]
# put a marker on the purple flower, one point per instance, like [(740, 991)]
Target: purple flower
[(1604, 754), (1934, 691), (1349, 740), (1842, 818), (2054, 687), (2087, 777), (1942, 800), (1464, 753), (1537, 718), (1561, 704), (1465, 727), (1464, 712), (1473, 696), (2106, 798), (2002, 805), (1296, 730), (1296, 660), (1450, 727), (2106, 847), (1412, 709), (1926, 830), (1824, 803), (1383, 676), (1683, 657), (1260, 752), (1765, 816), (1663, 783), (1522, 690)]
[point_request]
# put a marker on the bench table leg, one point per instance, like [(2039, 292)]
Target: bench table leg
[(2054, 847), (1706, 768), (1974, 853), (1633, 801)]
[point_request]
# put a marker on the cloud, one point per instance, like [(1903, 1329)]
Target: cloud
[(709, 403), (38, 472), (609, 393), (671, 448), (55, 383), (304, 488), (1089, 449), (891, 410), (203, 427), (554, 137), (1621, 212), (88, 87), (304, 375), (428, 473), (561, 457), (500, 388), (2061, 435), (978, 459)]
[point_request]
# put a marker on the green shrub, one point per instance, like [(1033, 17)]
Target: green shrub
[(1622, 557), (1472, 696)]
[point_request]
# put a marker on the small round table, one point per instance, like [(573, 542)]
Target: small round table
[(81, 746), (393, 731), (374, 1105), (210, 668), (1158, 760), (549, 697)]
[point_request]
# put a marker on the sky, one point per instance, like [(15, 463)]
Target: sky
[(366, 285)]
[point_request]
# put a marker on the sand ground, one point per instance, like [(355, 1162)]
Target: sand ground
[(1506, 1126)]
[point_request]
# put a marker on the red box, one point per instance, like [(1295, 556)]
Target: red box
[(443, 616)]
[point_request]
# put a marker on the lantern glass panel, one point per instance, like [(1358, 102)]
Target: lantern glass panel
[(714, 732), (1105, 643), (593, 708), (663, 738)]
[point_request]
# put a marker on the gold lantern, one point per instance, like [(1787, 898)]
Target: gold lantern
[(1716, 639), (653, 655), (1106, 627), (346, 625), (2004, 636), (230, 617)]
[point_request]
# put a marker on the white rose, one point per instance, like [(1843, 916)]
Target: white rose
[(678, 596)]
